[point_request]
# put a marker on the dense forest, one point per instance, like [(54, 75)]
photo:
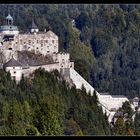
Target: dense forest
[(104, 42), (43, 104)]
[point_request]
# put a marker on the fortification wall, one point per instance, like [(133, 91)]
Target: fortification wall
[(48, 67), (15, 72), (106, 101), (63, 59)]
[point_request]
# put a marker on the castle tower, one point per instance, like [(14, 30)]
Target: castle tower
[(33, 28), (9, 20), (9, 29)]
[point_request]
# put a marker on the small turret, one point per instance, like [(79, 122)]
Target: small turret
[(9, 19), (9, 28), (33, 28)]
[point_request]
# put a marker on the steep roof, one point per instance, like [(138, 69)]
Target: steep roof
[(33, 25), (12, 63), (9, 17)]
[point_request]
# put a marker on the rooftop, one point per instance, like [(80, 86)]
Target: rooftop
[(118, 96), (33, 25), (104, 93), (9, 17), (12, 63), (118, 114)]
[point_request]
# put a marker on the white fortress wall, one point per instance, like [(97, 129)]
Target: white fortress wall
[(15, 72), (107, 102), (7, 54), (112, 102), (48, 67), (79, 81)]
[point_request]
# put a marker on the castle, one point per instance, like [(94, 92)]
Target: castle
[(47, 44)]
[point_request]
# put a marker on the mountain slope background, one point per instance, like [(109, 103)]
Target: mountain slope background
[(104, 43)]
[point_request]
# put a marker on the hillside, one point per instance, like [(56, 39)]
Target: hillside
[(44, 105), (104, 44)]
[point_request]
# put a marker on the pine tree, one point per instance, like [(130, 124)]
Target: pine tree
[(120, 128)]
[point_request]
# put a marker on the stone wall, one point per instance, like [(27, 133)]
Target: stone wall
[(44, 43), (107, 102), (63, 59), (16, 72), (48, 67)]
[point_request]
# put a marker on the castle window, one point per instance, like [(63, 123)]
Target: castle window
[(41, 41), (46, 41), (13, 67), (29, 41), (52, 41), (33, 42), (37, 41), (28, 47), (41, 45), (16, 42), (14, 72), (37, 48), (48, 51), (24, 42), (10, 48)]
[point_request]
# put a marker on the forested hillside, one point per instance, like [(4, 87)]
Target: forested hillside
[(105, 44), (45, 105)]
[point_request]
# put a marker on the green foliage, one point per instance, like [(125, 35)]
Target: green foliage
[(126, 108), (120, 128), (45, 105), (137, 124)]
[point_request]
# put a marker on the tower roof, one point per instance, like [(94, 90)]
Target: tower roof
[(33, 26), (12, 63), (136, 99), (9, 17)]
